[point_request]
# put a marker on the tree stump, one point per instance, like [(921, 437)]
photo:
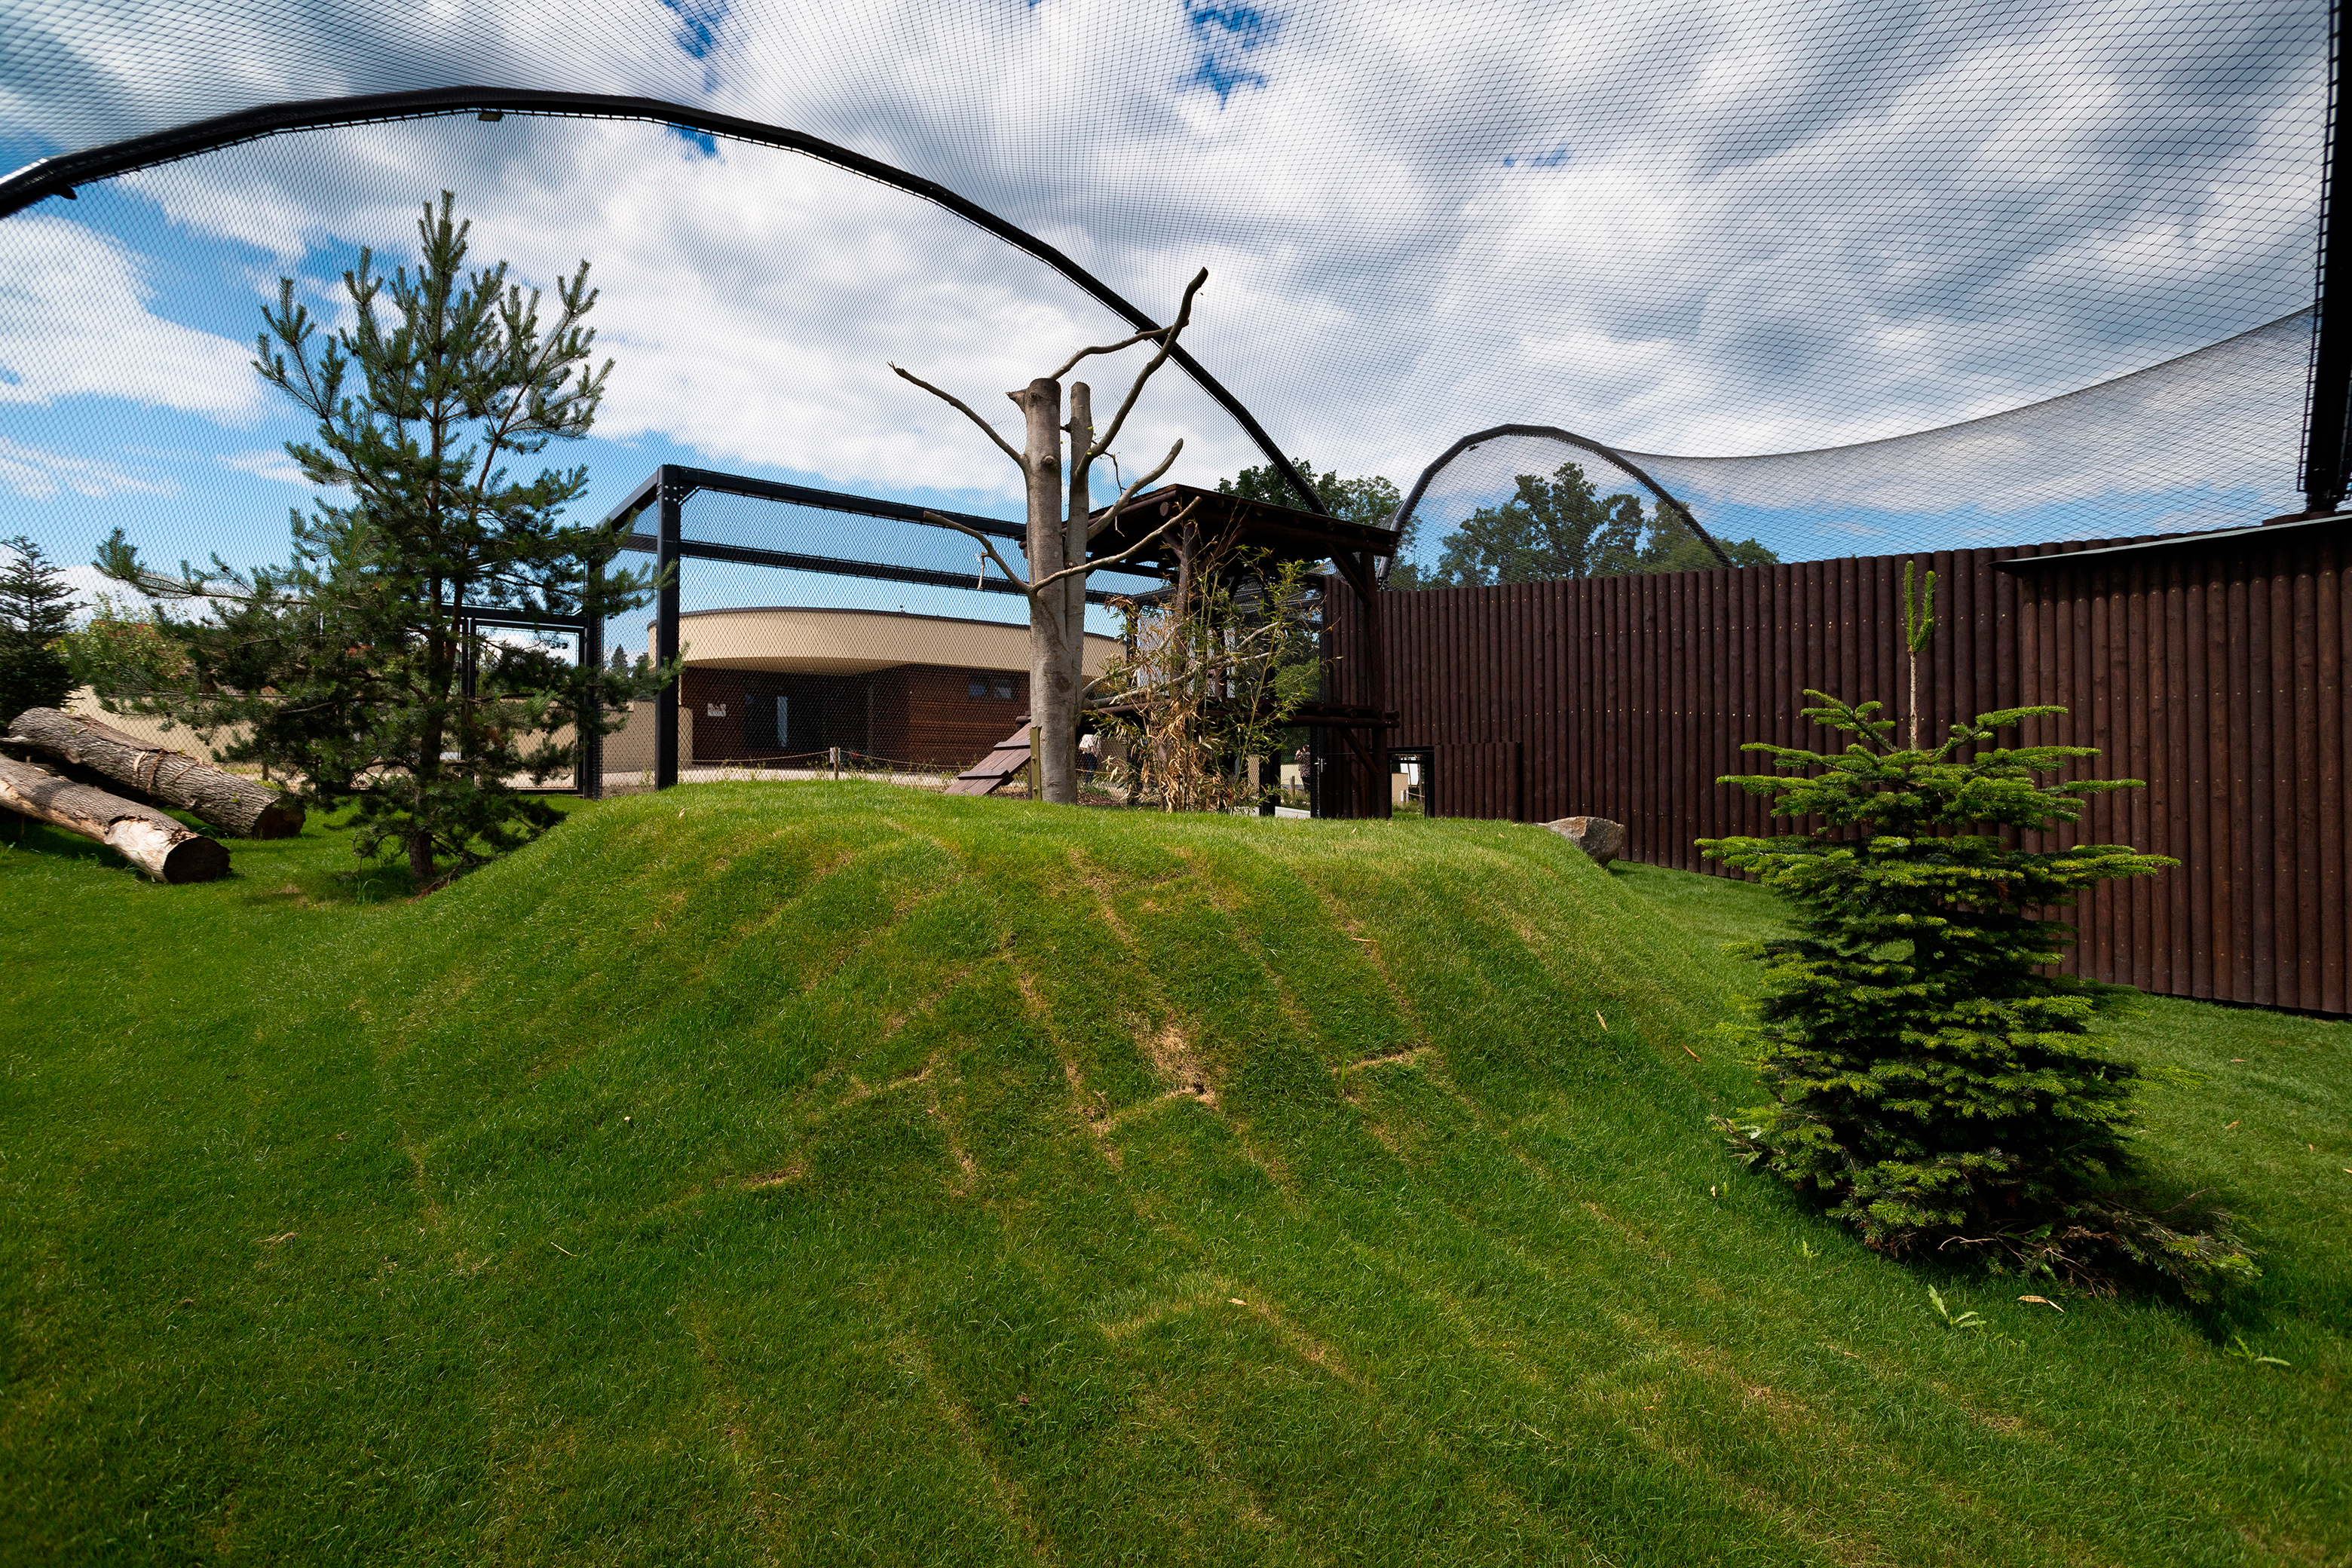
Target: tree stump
[(165, 849), (234, 804)]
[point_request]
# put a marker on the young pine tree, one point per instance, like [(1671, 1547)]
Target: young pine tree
[(35, 610), (353, 668), (1929, 1079)]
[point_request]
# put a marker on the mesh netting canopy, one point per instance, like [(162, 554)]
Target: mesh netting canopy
[(1898, 275)]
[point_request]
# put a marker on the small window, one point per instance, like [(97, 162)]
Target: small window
[(1004, 687), (979, 687)]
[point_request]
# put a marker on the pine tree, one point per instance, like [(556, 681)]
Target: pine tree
[(35, 610), (353, 667), (1929, 1078)]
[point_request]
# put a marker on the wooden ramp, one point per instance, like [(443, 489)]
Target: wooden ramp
[(999, 768)]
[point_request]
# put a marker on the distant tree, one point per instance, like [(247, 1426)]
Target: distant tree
[(1368, 499), (1562, 526), (352, 669), (36, 607), (119, 653)]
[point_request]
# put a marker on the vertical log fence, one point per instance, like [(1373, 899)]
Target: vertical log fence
[(2211, 666)]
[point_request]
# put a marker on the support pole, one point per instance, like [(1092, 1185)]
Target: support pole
[(2327, 413), (666, 632), (588, 770)]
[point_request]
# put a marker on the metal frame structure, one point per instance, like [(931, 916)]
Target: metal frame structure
[(588, 767), (1555, 433), (60, 175), (1283, 532), (665, 492), (2327, 399)]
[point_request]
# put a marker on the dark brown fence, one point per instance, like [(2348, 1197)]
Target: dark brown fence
[(2212, 668)]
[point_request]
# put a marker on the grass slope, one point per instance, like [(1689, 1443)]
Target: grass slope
[(834, 1173)]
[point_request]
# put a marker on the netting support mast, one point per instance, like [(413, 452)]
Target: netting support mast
[(1552, 432), (2327, 405), (670, 499), (57, 176)]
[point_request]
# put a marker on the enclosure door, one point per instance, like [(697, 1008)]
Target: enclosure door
[(767, 723), (1412, 783)]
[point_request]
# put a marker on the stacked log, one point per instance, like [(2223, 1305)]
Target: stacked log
[(234, 804), (165, 849)]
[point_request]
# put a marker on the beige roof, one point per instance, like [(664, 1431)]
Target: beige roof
[(851, 642)]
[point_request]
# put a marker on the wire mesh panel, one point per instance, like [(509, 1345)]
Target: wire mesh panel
[(1690, 228)]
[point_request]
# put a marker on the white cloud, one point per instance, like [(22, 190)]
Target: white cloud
[(1695, 225), (37, 474), (264, 465), (76, 319)]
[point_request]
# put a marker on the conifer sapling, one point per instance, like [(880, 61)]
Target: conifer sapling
[(1931, 1080)]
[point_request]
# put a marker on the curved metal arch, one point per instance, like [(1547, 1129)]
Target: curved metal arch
[(57, 176), (1404, 512)]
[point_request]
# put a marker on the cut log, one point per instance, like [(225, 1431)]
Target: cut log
[(167, 850), (231, 804)]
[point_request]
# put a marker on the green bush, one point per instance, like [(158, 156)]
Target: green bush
[(1930, 1078)]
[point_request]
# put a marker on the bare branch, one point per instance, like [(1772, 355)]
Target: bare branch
[(953, 401), (1072, 363), (1112, 560), (1167, 336), (1110, 514), (990, 545)]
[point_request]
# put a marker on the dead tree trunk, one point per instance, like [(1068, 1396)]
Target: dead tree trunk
[(1053, 698), (166, 850), (234, 805)]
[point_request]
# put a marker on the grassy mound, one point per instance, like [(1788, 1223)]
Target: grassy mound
[(836, 1174)]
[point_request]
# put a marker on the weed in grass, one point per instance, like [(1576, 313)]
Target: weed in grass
[(1963, 1320)]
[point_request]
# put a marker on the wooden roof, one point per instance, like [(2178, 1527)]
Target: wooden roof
[(1284, 533)]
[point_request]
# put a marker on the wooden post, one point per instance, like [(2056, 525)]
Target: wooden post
[(1053, 699)]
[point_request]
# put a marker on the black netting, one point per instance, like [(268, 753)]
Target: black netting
[(1681, 228), (2206, 440)]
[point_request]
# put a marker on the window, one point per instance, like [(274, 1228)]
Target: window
[(979, 687), (1004, 687)]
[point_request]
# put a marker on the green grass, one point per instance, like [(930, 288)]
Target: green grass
[(816, 1174)]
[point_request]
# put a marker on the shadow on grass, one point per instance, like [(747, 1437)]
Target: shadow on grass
[(315, 868)]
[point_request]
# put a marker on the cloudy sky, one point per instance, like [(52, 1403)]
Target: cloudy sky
[(1704, 229)]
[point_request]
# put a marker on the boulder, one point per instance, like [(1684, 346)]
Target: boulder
[(1597, 836)]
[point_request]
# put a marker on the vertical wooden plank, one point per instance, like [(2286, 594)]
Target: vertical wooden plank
[(2275, 854), (2133, 650), (2335, 868), (2237, 754), (2172, 818), (2304, 705)]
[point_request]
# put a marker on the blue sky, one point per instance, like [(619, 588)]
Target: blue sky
[(1687, 227)]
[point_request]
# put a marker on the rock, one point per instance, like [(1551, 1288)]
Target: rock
[(1597, 836)]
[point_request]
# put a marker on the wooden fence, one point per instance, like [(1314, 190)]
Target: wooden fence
[(2212, 668)]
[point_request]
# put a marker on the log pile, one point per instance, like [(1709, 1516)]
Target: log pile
[(235, 805), (165, 849)]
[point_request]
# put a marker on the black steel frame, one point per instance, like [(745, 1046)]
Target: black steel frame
[(1555, 433), (57, 176), (588, 767), (2327, 400), (665, 492)]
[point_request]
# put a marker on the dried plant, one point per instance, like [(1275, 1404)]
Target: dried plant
[(1212, 671)]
